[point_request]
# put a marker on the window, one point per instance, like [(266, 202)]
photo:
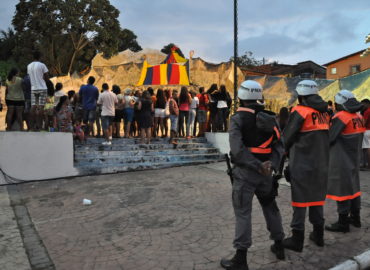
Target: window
[(333, 70), (355, 69)]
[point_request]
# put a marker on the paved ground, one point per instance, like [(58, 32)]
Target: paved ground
[(12, 252), (179, 218)]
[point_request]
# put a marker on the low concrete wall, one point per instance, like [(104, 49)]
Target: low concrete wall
[(219, 140), (27, 156)]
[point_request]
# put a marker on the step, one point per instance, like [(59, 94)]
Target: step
[(80, 148), (146, 152), (111, 161), (102, 169), (137, 140)]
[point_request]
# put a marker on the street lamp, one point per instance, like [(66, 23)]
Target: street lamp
[(235, 53)]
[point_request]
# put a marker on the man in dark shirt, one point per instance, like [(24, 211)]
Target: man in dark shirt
[(89, 95)]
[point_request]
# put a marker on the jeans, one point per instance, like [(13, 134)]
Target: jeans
[(191, 121), (222, 114), (183, 119)]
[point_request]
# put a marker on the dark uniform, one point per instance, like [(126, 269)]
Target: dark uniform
[(250, 146), (307, 139), (346, 134)]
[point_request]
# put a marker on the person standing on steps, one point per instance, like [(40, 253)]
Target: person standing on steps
[(306, 136), (38, 74), (256, 150), (108, 100), (89, 95), (346, 133)]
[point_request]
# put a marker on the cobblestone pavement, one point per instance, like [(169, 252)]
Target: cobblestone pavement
[(178, 218), (12, 252)]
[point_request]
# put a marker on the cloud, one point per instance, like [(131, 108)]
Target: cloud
[(284, 30)]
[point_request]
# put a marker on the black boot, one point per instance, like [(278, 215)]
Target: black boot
[(355, 219), (342, 225), (295, 242), (238, 262), (278, 249), (317, 236)]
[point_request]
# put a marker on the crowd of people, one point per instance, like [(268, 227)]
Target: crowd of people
[(107, 111), (323, 145)]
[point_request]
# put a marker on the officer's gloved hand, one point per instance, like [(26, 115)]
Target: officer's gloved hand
[(266, 168)]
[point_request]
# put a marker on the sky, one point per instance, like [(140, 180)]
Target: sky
[(287, 31)]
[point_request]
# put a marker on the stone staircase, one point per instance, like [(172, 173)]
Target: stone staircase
[(124, 155)]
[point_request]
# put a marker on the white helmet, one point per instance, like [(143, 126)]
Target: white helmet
[(250, 90), (343, 96), (306, 87)]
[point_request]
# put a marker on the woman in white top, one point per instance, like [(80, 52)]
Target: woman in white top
[(193, 112), (223, 102)]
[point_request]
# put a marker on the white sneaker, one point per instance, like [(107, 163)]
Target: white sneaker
[(106, 143)]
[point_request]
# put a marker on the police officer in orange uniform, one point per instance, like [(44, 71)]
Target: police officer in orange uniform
[(306, 136), (256, 150), (346, 133)]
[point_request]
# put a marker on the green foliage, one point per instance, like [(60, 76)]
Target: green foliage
[(68, 32), (7, 43), (128, 41), (167, 49), (5, 67), (247, 60)]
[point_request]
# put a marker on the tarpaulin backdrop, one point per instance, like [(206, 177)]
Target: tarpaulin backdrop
[(280, 91), (173, 71)]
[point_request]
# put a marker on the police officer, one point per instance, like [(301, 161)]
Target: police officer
[(256, 149), (345, 135), (306, 136)]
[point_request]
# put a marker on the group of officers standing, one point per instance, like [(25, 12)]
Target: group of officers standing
[(324, 160)]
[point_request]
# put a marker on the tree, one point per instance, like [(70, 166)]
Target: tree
[(128, 41), (68, 32), (247, 60), (7, 43), (167, 49)]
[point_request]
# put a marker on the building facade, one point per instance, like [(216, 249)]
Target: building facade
[(347, 65)]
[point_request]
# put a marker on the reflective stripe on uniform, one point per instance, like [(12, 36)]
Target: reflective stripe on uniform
[(307, 204), (277, 131), (343, 198), (313, 119), (257, 150), (354, 122), (243, 109)]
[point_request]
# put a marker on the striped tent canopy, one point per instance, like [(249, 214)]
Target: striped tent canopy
[(173, 71)]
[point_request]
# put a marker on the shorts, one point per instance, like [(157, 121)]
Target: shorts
[(202, 116), (366, 140), (159, 113), (15, 103), (38, 97), (89, 116), (118, 116), (128, 114), (174, 119), (106, 121)]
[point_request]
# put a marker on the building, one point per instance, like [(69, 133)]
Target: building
[(347, 65), (306, 69)]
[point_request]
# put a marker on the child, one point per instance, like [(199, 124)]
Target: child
[(78, 132)]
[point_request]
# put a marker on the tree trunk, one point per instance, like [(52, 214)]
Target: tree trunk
[(72, 61)]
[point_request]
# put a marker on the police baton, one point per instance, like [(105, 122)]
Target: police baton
[(229, 169)]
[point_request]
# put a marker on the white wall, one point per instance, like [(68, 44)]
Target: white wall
[(36, 155), (219, 140)]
